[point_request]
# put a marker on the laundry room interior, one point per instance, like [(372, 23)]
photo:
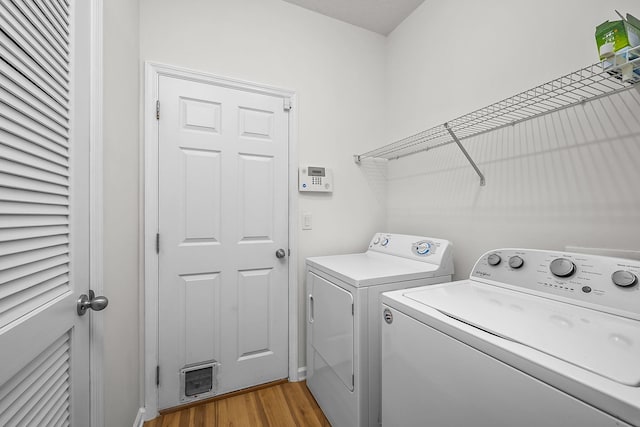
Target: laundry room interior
[(564, 179), (448, 133)]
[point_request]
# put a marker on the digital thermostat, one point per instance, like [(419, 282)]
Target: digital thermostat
[(315, 178)]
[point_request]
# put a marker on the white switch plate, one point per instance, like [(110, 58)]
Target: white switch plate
[(616, 253), (307, 221)]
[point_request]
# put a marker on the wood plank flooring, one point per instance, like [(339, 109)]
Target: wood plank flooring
[(282, 405)]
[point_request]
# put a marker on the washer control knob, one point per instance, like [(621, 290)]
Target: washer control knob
[(385, 241), (624, 278), (562, 267), (494, 259), (376, 240), (516, 262), (423, 248)]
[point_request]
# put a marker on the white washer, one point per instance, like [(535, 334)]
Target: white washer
[(343, 328), (533, 338)]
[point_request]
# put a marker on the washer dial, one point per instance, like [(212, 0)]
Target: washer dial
[(624, 278), (376, 240), (562, 267), (494, 259), (385, 241), (516, 262)]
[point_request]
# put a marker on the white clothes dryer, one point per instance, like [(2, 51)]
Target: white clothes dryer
[(343, 328), (533, 338)]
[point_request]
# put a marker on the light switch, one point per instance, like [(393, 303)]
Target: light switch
[(307, 221)]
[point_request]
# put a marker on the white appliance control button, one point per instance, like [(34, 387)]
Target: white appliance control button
[(494, 259), (562, 267), (516, 262), (376, 240), (385, 241), (624, 278), (423, 248)]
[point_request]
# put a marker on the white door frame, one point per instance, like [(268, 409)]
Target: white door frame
[(96, 261), (150, 208)]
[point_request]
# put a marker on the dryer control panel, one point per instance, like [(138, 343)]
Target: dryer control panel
[(603, 283), (417, 248)]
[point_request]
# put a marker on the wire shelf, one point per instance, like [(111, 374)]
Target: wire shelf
[(587, 84)]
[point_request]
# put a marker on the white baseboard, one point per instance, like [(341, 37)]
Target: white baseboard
[(302, 373), (139, 422)]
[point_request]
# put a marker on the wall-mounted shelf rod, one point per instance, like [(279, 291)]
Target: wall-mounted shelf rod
[(464, 151), (616, 74)]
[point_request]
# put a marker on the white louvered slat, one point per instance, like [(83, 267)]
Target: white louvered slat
[(44, 379), (45, 27), (13, 141), (61, 13), (17, 305), (32, 370), (8, 235), (25, 88), (53, 410), (18, 182), (33, 113), (23, 61), (64, 6), (19, 60), (51, 31), (31, 275), (29, 279), (33, 138), (11, 221), (23, 196), (33, 173), (34, 107), (41, 41), (55, 385), (20, 35), (16, 260), (32, 244), (17, 116), (32, 209), (46, 8), (26, 159)]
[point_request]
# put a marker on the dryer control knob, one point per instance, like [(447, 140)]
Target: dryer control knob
[(376, 240), (494, 259), (562, 267), (624, 278), (385, 241), (516, 262), (423, 248)]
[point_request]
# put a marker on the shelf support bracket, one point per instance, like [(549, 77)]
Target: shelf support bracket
[(457, 141)]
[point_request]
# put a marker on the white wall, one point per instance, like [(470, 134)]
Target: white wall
[(565, 179), (338, 73), (121, 268)]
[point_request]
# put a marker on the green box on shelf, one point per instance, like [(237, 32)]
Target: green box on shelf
[(622, 35)]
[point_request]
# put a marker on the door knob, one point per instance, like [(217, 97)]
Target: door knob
[(91, 302), (280, 253)]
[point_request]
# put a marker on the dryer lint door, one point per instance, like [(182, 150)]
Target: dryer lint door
[(330, 318)]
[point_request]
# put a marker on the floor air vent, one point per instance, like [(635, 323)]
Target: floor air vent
[(198, 381)]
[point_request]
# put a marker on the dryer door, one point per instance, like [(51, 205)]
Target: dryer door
[(330, 318)]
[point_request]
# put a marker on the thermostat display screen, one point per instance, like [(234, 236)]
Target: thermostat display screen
[(314, 171)]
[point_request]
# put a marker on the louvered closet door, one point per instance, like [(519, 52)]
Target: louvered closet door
[(44, 113)]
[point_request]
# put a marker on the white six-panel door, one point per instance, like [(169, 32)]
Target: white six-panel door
[(222, 214), (44, 212)]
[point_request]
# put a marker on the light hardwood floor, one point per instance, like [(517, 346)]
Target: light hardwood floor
[(282, 405)]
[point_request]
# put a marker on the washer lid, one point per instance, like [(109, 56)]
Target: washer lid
[(372, 268), (602, 343)]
